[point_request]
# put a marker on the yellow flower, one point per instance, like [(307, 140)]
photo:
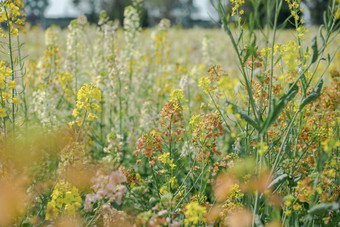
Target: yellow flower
[(96, 107), (79, 121), (91, 117), (173, 182), (3, 112), (289, 200), (288, 212), (75, 113), (164, 157), (261, 148), (12, 84), (15, 100), (337, 13), (230, 109), (296, 206), (51, 211), (194, 214), (204, 83), (64, 198), (70, 124), (15, 32), (176, 95), (6, 95), (163, 189), (330, 144), (195, 120)]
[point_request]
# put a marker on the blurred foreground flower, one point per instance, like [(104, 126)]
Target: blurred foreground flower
[(12, 199)]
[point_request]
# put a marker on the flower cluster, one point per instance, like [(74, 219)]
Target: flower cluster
[(131, 27), (88, 97), (205, 130), (44, 107), (294, 7), (6, 72), (160, 218), (11, 12), (64, 198), (236, 5), (161, 45), (74, 47), (65, 79), (107, 187), (149, 143), (194, 214)]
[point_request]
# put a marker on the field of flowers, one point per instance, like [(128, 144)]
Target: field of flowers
[(108, 125)]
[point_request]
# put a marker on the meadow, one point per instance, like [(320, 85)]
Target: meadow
[(110, 125)]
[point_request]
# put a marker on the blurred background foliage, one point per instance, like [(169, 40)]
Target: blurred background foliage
[(152, 11)]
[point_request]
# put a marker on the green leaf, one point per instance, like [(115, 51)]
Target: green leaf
[(240, 37), (323, 207), (312, 96), (315, 53), (274, 114), (243, 115), (251, 50), (321, 35), (278, 180)]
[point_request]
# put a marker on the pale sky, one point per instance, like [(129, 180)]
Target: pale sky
[(65, 8)]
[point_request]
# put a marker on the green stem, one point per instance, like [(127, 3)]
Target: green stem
[(12, 68)]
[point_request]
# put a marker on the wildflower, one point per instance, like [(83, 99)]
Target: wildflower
[(176, 95), (289, 200), (331, 173), (236, 5), (79, 121), (12, 84), (330, 144), (63, 198), (297, 206), (12, 14), (161, 46), (337, 13), (165, 159), (230, 109), (173, 182), (233, 196), (288, 212), (163, 190), (3, 112), (204, 83), (75, 113), (91, 117), (65, 79), (301, 30), (290, 52), (131, 28), (96, 107), (149, 143), (195, 119), (227, 85), (87, 97), (194, 214), (106, 186), (15, 100), (261, 148), (6, 95)]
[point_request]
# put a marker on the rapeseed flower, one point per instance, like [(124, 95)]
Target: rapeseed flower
[(194, 214)]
